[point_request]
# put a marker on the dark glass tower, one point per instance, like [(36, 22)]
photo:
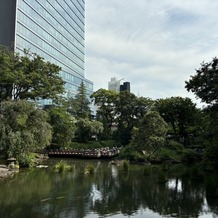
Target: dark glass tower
[(53, 29), (125, 87)]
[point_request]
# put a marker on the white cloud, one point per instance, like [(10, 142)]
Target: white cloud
[(155, 45)]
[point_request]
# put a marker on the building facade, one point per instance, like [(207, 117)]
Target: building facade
[(125, 87), (53, 29), (114, 84)]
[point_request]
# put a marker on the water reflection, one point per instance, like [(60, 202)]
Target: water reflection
[(175, 191)]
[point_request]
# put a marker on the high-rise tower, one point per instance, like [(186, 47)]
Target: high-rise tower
[(53, 29)]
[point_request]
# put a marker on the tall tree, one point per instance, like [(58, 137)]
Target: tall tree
[(125, 116), (79, 106), (181, 114), (204, 83), (63, 126), (86, 129), (105, 101), (28, 77), (129, 111)]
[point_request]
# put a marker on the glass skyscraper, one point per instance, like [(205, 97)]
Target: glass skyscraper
[(54, 29)]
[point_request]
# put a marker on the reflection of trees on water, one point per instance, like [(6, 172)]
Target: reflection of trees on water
[(108, 191), (133, 190)]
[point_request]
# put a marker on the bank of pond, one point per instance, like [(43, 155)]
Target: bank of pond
[(94, 188)]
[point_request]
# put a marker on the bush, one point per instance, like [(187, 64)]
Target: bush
[(62, 166), (165, 154), (110, 143), (126, 165), (27, 160), (189, 156), (174, 145), (131, 154), (90, 168)]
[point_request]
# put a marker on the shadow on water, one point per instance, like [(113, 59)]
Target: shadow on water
[(142, 191)]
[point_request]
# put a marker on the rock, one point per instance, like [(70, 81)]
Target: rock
[(5, 171)]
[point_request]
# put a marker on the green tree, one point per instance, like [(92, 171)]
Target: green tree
[(150, 135), (28, 77), (129, 111), (125, 116), (182, 116), (86, 129), (79, 106), (204, 83), (63, 126), (23, 129), (105, 100)]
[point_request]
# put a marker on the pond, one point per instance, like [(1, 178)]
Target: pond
[(142, 191)]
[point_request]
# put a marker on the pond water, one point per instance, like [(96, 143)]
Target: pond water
[(143, 191)]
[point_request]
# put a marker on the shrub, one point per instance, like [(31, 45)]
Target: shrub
[(62, 166), (126, 165), (89, 169)]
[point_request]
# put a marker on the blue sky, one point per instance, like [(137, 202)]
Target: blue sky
[(156, 45)]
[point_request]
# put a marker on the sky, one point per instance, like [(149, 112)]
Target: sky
[(156, 45)]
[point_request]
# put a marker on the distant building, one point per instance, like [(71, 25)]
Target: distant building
[(52, 29), (125, 87), (114, 84)]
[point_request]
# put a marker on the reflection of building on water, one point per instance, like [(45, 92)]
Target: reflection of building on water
[(95, 194), (175, 184)]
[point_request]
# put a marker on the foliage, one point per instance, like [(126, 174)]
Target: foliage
[(204, 82), (151, 133), (181, 115), (120, 110), (23, 128), (63, 126), (210, 156), (174, 145), (110, 143), (27, 160), (87, 129), (204, 85), (89, 169), (79, 106), (126, 165), (28, 77), (131, 154), (62, 166), (165, 154), (129, 111), (105, 100)]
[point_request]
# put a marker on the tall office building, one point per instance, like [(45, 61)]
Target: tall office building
[(114, 84), (125, 87), (54, 29)]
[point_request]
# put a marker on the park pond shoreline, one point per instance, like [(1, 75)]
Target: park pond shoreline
[(109, 191)]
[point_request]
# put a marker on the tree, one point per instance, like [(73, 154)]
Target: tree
[(23, 129), (86, 129), (205, 83), (105, 100), (181, 114), (125, 116), (28, 77), (129, 111), (63, 126), (151, 133), (79, 106)]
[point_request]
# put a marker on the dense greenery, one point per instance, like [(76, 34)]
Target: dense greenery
[(165, 129), (23, 129), (28, 77)]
